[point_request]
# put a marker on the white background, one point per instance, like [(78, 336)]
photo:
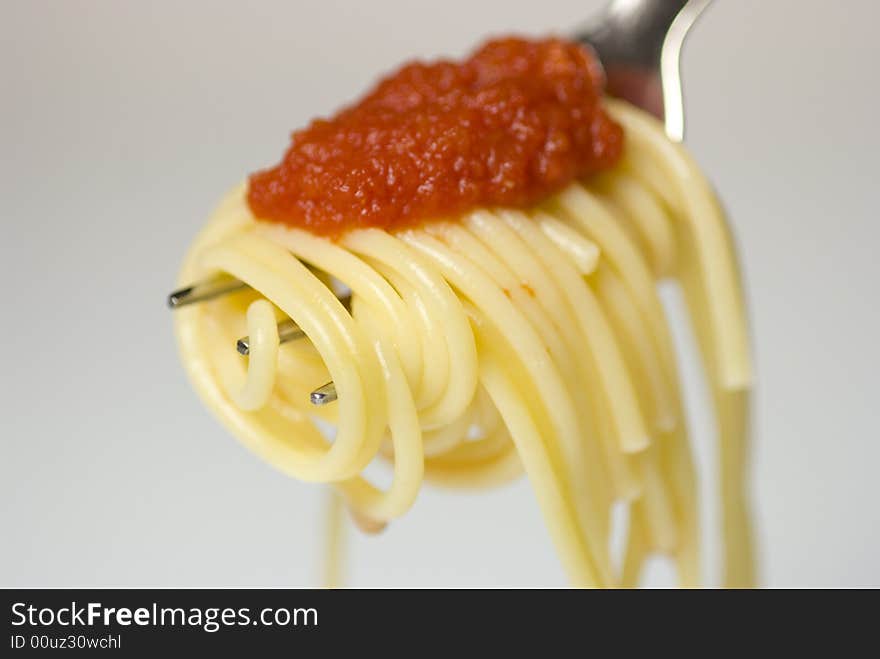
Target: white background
[(123, 122)]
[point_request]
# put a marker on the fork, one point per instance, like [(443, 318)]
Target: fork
[(639, 44)]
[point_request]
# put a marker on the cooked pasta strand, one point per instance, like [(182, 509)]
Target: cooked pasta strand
[(503, 341)]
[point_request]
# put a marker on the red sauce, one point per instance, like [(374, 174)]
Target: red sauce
[(516, 121)]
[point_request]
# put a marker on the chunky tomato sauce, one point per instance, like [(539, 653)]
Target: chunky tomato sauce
[(516, 121)]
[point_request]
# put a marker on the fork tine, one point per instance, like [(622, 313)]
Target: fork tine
[(203, 291), (324, 394), (287, 331)]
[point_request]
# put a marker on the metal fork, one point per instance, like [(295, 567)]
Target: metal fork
[(639, 44)]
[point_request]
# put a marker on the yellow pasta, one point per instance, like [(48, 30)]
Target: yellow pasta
[(499, 343)]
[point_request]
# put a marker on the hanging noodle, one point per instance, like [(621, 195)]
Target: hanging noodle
[(507, 341)]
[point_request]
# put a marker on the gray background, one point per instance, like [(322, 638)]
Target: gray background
[(123, 122)]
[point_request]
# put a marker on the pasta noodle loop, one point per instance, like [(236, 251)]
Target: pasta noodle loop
[(501, 342)]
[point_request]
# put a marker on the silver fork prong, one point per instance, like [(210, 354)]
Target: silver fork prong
[(287, 331), (324, 394), (290, 331), (203, 291)]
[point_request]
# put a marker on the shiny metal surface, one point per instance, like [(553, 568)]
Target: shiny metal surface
[(639, 43)]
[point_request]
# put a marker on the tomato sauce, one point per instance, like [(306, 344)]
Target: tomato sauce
[(508, 126)]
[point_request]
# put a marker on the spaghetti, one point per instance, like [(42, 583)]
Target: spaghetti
[(503, 340)]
